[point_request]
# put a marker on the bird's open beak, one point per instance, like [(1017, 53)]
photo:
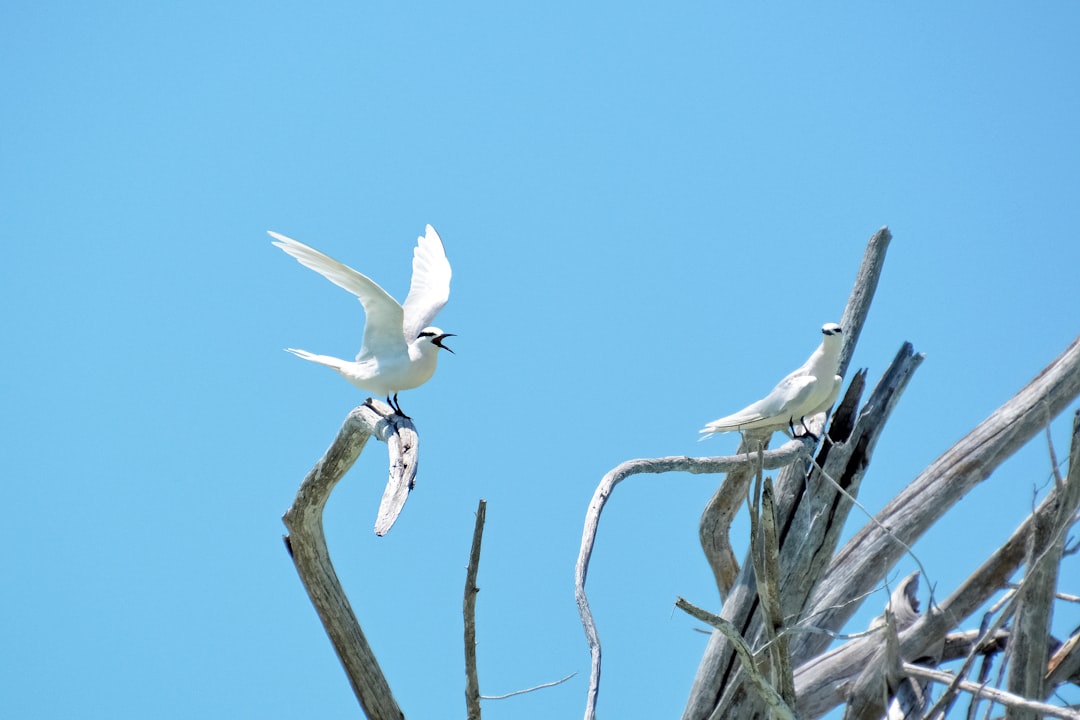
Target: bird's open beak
[(437, 342)]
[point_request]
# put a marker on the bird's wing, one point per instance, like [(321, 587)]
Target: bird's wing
[(383, 327), (430, 288), (793, 394), (774, 406)]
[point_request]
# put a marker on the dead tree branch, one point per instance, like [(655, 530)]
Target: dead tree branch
[(790, 452), (472, 679), (866, 558), (760, 683), (1001, 697), (810, 513), (828, 680), (306, 542)]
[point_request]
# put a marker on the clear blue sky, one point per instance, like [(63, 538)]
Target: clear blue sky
[(650, 211)]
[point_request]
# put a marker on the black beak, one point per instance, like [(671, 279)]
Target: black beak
[(437, 342)]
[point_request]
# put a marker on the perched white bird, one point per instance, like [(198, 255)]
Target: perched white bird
[(400, 349), (804, 393)]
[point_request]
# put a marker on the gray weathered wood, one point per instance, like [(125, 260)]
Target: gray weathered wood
[(307, 546), (811, 509), (1031, 631), (849, 673), (472, 679), (790, 452), (861, 564)]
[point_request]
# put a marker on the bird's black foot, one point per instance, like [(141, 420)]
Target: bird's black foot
[(806, 433), (396, 406)]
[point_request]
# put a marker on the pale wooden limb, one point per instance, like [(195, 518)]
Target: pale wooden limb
[(472, 680), (542, 686), (866, 558), (768, 573), (1001, 697), (1031, 631), (715, 525), (790, 452), (862, 294), (404, 455), (831, 678), (307, 545), (768, 693)]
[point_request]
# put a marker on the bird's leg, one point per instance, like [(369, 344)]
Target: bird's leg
[(802, 421), (397, 406)]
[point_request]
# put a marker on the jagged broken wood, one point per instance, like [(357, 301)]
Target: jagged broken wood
[(813, 501), (306, 542)]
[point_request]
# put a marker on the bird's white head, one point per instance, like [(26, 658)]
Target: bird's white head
[(434, 336), (833, 339)]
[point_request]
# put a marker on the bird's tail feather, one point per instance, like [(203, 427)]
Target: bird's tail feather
[(326, 360)]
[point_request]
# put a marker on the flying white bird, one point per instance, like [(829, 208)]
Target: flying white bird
[(399, 349), (804, 393)]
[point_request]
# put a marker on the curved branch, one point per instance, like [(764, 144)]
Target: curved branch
[(307, 544), (785, 455)]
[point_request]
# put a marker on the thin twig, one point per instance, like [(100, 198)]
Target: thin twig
[(560, 681), (999, 696), (768, 693), (472, 680)]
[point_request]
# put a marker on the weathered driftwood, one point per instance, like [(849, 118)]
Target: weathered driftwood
[(812, 504), (820, 592), (307, 543), (1046, 545), (848, 673), (788, 453), (472, 679), (761, 684), (867, 557)]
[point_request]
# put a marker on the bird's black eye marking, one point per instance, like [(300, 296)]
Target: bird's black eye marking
[(425, 334)]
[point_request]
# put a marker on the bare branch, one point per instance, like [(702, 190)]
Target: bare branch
[(999, 696), (307, 545), (788, 453), (543, 686), (862, 294), (778, 639), (818, 679), (472, 680), (768, 694), (810, 513), (869, 555)]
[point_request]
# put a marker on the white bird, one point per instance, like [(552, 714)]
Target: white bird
[(811, 389), (400, 348)]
